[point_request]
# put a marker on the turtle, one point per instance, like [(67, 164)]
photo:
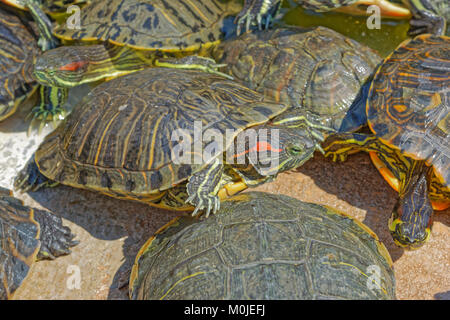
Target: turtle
[(128, 36), (316, 71), (23, 41), (255, 11), (27, 235), (172, 138), (263, 246), (406, 107), (428, 16)]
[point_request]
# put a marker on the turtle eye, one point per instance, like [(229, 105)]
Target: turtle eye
[(295, 150)]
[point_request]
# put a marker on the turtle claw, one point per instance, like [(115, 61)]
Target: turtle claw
[(208, 203), (56, 239), (253, 13), (45, 114)]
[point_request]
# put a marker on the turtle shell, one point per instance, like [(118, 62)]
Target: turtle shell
[(263, 246), (409, 102), (120, 139), (19, 242), (317, 71), (19, 51), (172, 25)]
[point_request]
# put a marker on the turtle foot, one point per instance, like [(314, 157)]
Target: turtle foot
[(207, 202), (257, 12), (55, 238), (426, 22)]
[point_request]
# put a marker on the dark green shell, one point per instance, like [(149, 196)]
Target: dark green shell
[(317, 71), (18, 52), (168, 25), (119, 139), (409, 101), (263, 246)]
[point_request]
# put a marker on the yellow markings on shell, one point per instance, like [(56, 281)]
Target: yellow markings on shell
[(152, 145), (199, 12), (181, 280), (103, 137)]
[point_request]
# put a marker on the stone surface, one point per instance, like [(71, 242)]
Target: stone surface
[(111, 231)]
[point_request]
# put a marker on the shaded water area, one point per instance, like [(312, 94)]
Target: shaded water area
[(384, 40)]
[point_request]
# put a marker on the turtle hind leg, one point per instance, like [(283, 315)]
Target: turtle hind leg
[(31, 179), (55, 238), (203, 187)]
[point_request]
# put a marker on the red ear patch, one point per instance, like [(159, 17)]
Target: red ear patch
[(260, 146), (266, 146), (73, 66)]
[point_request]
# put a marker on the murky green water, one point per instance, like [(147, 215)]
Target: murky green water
[(384, 40)]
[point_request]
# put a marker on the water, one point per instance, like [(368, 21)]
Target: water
[(384, 40)]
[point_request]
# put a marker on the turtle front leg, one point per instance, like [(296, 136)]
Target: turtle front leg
[(51, 98), (193, 62), (203, 187), (46, 39), (255, 11), (339, 146), (50, 107), (55, 238), (31, 179)]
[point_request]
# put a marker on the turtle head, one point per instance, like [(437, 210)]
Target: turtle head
[(275, 149), (63, 67), (410, 222)]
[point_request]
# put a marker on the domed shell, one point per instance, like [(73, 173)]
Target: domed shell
[(409, 101), (153, 25), (122, 137), (264, 246), (316, 71)]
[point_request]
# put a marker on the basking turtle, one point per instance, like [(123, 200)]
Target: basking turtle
[(121, 37), (263, 246), (429, 16), (27, 235), (407, 109), (151, 136), (317, 72), (255, 10)]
